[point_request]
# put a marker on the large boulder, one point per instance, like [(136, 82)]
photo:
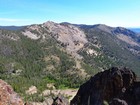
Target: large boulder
[(107, 86), (8, 96), (132, 95)]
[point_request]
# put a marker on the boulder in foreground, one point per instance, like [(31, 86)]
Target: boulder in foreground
[(116, 86)]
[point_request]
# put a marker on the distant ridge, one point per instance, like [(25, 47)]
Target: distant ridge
[(14, 28)]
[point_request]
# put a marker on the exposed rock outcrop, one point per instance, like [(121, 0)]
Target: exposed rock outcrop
[(8, 96), (60, 100), (67, 35), (31, 90), (114, 86), (52, 100)]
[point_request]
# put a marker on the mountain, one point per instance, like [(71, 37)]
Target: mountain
[(118, 44), (64, 54), (12, 27)]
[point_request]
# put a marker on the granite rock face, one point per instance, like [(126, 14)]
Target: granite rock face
[(115, 86), (8, 96)]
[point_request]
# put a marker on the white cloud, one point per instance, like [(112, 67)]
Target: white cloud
[(12, 20)]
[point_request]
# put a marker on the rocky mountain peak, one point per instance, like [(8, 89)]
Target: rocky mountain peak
[(125, 31), (104, 27), (101, 25), (49, 23), (71, 37), (127, 36)]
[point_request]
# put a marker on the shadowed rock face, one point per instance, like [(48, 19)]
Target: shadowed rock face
[(60, 100), (132, 95), (114, 86), (117, 101), (8, 96)]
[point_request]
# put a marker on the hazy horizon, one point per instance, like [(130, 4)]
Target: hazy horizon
[(67, 22)]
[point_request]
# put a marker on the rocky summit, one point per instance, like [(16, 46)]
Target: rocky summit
[(8, 96), (112, 87)]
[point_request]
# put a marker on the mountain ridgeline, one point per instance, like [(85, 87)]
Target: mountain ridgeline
[(64, 54)]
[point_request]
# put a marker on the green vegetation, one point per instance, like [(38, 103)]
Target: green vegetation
[(25, 62), (113, 52), (29, 62)]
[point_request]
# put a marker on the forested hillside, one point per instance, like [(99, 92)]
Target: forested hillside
[(63, 54)]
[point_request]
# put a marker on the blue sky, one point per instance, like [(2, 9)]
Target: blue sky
[(124, 13)]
